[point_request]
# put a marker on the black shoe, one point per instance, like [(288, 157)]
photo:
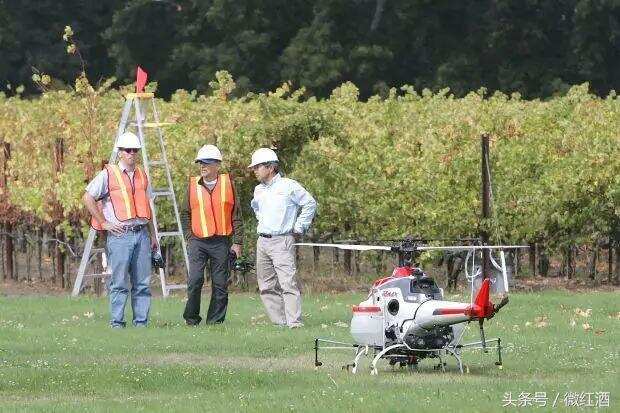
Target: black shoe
[(210, 323)]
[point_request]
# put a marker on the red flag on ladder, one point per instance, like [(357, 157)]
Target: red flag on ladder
[(141, 77)]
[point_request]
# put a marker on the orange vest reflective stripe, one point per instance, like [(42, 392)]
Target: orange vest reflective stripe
[(211, 212), (128, 201)]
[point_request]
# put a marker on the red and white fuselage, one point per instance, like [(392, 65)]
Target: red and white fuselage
[(409, 307)]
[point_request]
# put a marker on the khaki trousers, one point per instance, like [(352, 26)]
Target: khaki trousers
[(277, 280)]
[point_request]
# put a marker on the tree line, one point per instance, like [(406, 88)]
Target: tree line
[(536, 48)]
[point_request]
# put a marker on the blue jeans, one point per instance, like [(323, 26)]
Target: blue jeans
[(129, 258)]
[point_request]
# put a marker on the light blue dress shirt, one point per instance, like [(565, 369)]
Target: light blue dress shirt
[(277, 204)]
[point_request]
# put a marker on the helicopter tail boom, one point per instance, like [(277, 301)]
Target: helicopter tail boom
[(442, 313)]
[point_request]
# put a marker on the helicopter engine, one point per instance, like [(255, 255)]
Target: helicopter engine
[(438, 337)]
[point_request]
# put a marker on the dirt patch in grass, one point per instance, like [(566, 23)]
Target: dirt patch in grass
[(323, 285), (563, 283), (23, 287), (268, 364)]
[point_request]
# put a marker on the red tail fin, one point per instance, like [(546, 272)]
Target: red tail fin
[(482, 306)]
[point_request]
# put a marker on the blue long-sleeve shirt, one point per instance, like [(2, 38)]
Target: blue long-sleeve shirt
[(282, 206)]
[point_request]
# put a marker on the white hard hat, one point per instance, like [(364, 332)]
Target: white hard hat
[(263, 155), (128, 140), (208, 152)]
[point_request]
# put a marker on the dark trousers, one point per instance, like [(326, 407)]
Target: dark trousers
[(215, 250)]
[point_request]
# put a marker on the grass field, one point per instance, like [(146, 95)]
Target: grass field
[(58, 354)]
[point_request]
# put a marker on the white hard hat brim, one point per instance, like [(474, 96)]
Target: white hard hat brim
[(253, 164), (212, 160)]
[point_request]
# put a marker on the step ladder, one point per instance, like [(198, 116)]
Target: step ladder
[(134, 118)]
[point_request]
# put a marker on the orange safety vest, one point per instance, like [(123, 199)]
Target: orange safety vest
[(211, 211), (128, 201)]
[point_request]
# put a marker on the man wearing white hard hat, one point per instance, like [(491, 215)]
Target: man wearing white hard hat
[(212, 219), (284, 210), (124, 193)]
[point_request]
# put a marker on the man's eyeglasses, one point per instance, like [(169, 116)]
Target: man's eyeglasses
[(208, 162), (130, 150)]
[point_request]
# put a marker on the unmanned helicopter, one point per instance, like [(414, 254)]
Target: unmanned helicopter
[(405, 317)]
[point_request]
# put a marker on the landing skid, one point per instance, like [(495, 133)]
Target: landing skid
[(403, 353)]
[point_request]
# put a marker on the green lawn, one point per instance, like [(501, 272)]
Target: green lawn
[(58, 354)]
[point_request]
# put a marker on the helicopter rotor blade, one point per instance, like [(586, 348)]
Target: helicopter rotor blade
[(357, 247), (347, 246), (470, 247)]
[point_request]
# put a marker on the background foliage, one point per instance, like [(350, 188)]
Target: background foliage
[(407, 164)]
